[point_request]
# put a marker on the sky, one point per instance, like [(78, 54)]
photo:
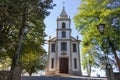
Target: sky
[(51, 23)]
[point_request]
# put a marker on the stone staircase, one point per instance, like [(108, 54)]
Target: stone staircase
[(59, 78)]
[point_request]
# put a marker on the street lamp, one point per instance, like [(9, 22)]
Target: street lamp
[(101, 28), (109, 70)]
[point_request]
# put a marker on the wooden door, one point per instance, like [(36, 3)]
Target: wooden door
[(63, 65)]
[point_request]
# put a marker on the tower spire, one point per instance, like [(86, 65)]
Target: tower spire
[(63, 13)]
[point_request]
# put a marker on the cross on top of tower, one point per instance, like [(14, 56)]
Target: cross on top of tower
[(63, 4), (63, 13)]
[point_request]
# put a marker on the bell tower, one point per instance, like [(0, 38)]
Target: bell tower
[(63, 26)]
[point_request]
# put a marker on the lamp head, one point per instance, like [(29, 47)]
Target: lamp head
[(101, 28)]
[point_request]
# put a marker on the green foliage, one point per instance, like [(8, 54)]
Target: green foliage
[(17, 15), (5, 63), (33, 63), (92, 13), (89, 58)]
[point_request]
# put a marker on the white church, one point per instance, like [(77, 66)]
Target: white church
[(63, 50)]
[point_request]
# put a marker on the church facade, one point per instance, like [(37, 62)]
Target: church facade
[(63, 50)]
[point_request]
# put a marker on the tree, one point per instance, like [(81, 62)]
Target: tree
[(89, 58), (16, 18), (92, 13), (33, 66)]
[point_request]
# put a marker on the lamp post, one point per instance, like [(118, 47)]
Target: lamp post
[(109, 70)]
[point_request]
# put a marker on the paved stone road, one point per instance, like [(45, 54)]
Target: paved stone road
[(54, 78)]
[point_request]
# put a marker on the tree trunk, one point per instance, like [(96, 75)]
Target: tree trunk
[(89, 70), (15, 74), (30, 73), (115, 54), (31, 70), (109, 72), (16, 63)]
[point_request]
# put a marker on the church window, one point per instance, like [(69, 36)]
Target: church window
[(52, 63), (74, 47), (75, 63), (53, 47), (63, 34), (63, 25), (63, 46)]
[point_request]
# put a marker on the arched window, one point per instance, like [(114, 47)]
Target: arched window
[(63, 25)]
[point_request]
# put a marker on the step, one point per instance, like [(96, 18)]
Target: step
[(59, 78)]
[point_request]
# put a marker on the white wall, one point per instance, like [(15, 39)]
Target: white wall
[(75, 55), (69, 48), (52, 55)]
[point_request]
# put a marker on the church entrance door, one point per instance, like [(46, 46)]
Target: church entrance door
[(63, 65)]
